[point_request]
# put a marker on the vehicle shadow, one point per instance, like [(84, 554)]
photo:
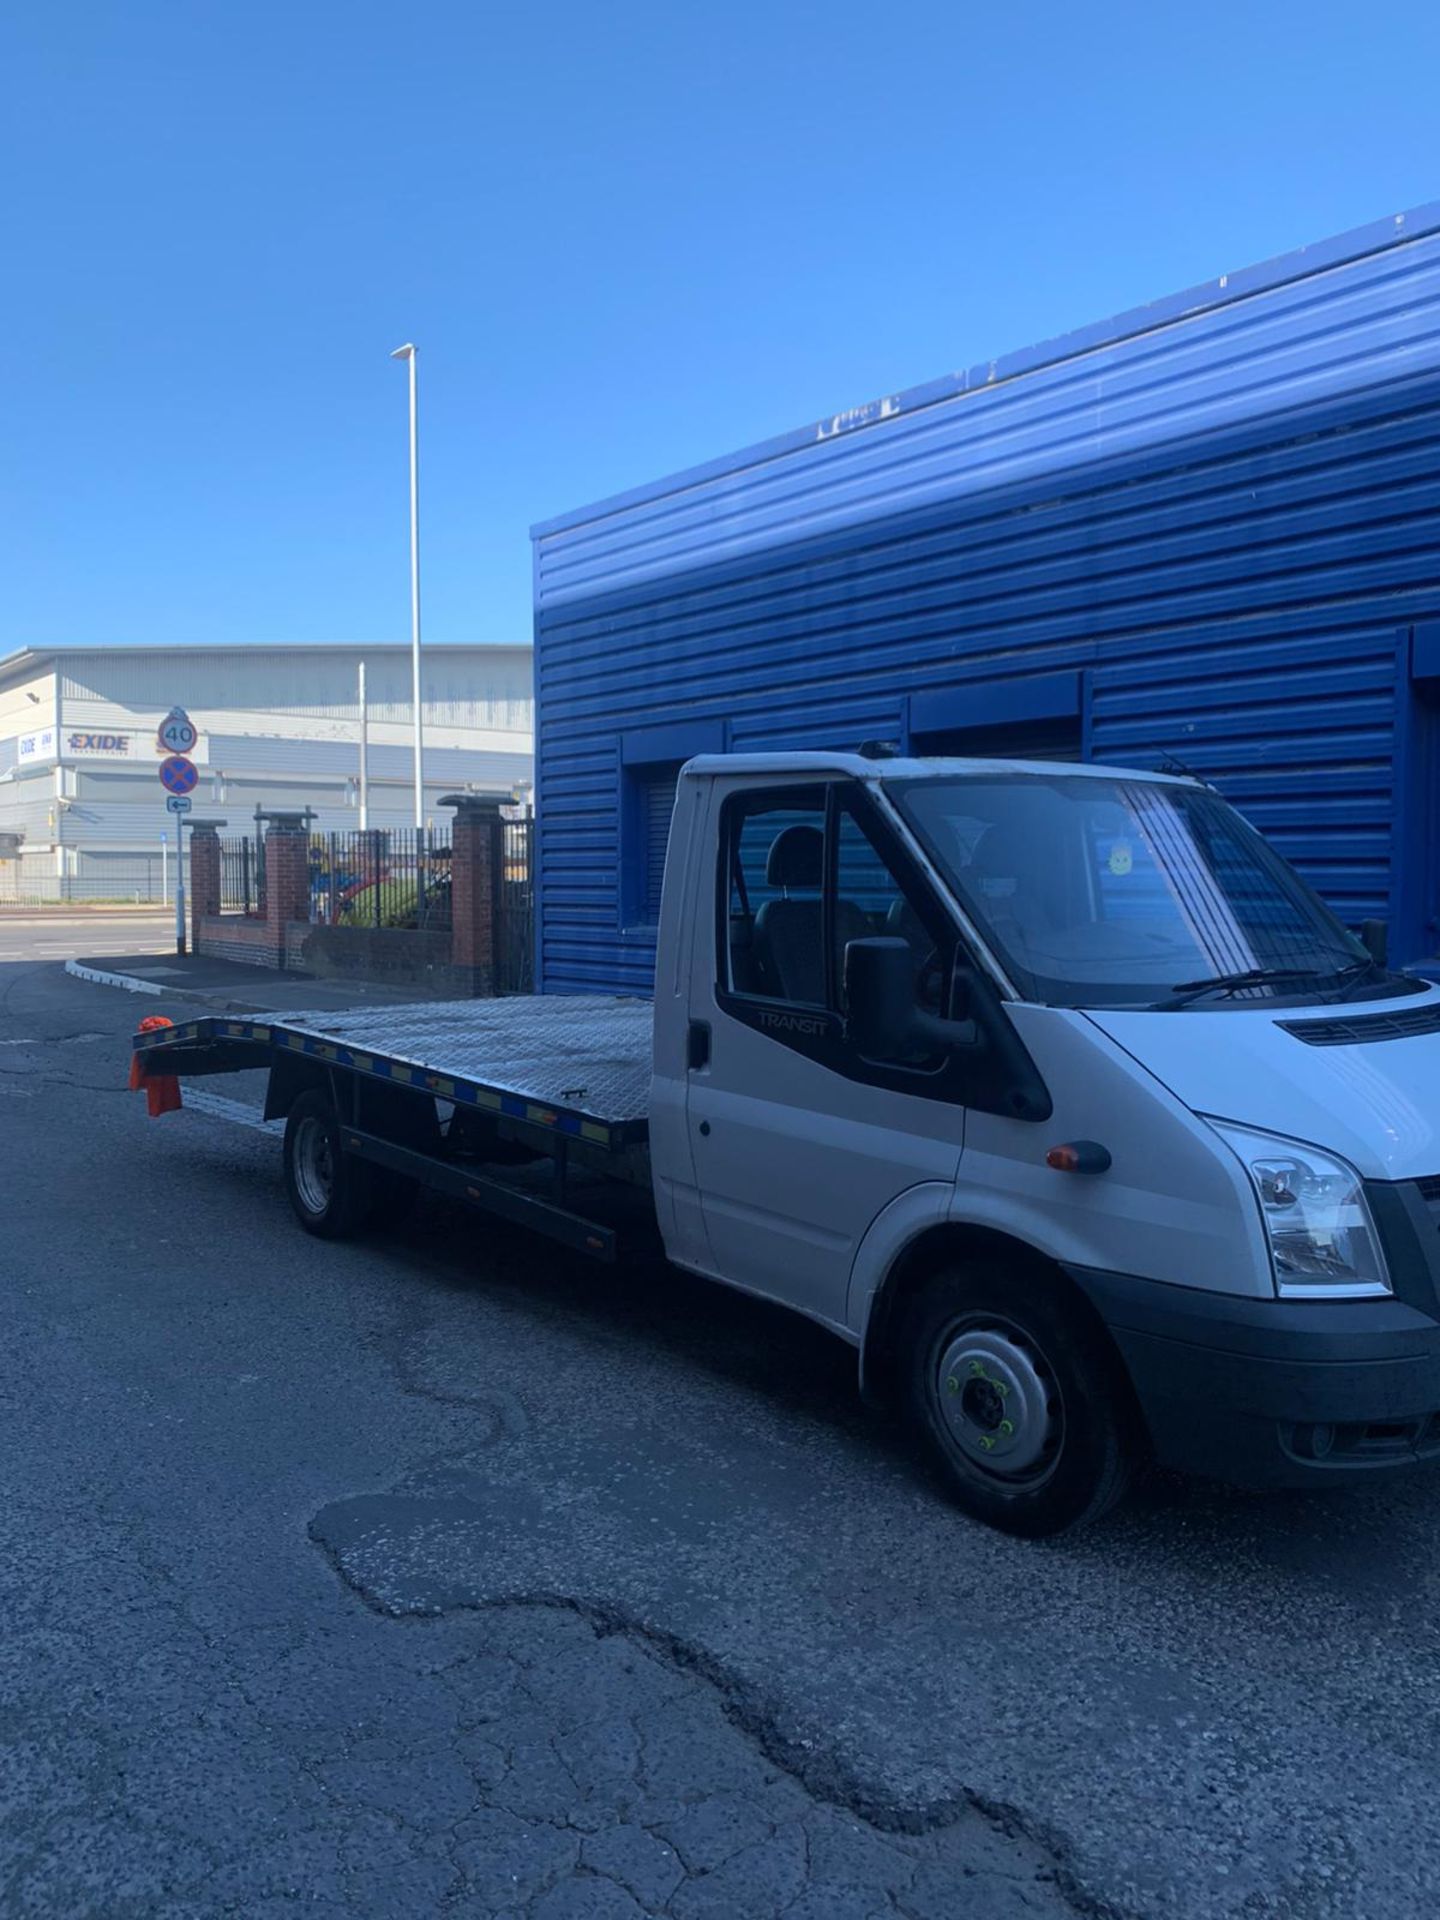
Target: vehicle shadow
[(736, 1338), (805, 1373)]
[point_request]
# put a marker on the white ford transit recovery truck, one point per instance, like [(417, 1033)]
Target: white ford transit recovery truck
[(1051, 1089)]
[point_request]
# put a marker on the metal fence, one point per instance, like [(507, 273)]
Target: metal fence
[(242, 876), (374, 877), (401, 879), (515, 908), (114, 880), (382, 877)]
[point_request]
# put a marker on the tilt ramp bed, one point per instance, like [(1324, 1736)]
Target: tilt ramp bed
[(511, 1105)]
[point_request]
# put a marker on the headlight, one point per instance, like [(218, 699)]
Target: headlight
[(1323, 1242)]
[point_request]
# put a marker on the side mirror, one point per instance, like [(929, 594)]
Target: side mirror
[(1376, 935), (884, 1023), (880, 996)]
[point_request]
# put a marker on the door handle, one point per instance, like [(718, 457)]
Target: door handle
[(697, 1052)]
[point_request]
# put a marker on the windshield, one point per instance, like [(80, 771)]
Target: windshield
[(1116, 892)]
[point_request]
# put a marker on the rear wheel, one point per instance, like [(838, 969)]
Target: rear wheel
[(1017, 1396), (327, 1187)]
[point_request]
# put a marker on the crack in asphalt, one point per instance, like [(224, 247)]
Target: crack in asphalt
[(819, 1772), (822, 1775)]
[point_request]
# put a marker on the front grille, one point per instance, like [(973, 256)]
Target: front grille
[(1363, 1028)]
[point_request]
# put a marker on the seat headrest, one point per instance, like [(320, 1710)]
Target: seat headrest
[(1002, 852), (902, 919), (796, 857)]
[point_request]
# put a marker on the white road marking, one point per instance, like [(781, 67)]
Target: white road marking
[(219, 1107)]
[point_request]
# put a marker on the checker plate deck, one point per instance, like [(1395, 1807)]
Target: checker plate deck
[(579, 1063)]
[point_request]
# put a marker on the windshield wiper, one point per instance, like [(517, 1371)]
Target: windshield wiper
[(1364, 972), (1185, 991)]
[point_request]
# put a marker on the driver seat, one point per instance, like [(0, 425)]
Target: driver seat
[(790, 932)]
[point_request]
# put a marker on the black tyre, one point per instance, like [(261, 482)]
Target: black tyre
[(1018, 1396), (328, 1189)]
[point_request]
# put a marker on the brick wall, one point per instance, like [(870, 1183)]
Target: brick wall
[(278, 939), (411, 962), (461, 963), (234, 936)]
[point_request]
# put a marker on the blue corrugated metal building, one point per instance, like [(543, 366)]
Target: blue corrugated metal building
[(1208, 530)]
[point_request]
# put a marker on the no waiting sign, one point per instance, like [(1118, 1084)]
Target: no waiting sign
[(178, 775)]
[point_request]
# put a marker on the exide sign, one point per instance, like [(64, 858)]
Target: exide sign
[(105, 743)]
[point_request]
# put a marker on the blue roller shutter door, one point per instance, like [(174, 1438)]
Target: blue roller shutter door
[(657, 804)]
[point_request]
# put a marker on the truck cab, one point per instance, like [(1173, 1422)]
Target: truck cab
[(1058, 1094)]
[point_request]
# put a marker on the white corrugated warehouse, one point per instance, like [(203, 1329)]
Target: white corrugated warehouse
[(81, 807)]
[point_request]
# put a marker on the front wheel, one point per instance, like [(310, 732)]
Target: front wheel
[(325, 1184), (1017, 1396)]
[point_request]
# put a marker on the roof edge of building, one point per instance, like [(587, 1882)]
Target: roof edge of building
[(1300, 263), (68, 650)]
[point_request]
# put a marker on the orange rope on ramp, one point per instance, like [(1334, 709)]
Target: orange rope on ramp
[(162, 1090)]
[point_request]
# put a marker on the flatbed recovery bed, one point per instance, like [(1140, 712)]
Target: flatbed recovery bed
[(517, 1106), (578, 1065)]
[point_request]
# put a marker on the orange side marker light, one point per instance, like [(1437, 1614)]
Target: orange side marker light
[(1079, 1156)]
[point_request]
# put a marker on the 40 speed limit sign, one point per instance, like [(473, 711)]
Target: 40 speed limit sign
[(176, 732)]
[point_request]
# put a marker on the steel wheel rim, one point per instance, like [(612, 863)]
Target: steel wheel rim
[(998, 1402), (314, 1165)]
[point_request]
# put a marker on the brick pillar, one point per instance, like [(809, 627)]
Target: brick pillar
[(473, 877), (204, 878), (287, 885)]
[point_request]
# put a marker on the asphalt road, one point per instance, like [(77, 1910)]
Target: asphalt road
[(47, 933), (448, 1575)]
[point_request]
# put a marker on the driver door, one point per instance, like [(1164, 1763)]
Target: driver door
[(799, 1143)]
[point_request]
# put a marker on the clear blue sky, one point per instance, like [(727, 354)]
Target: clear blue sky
[(627, 237)]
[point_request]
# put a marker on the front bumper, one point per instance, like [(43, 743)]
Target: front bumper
[(1276, 1392)]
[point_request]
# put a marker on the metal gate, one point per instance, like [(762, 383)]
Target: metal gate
[(515, 908)]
